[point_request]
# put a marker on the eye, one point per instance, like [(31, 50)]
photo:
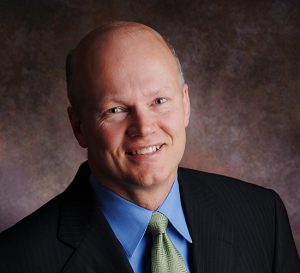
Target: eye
[(115, 110), (160, 100)]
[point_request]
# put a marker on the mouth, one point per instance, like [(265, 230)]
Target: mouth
[(145, 151)]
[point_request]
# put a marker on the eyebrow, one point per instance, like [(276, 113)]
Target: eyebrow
[(120, 99)]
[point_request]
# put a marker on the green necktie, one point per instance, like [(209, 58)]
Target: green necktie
[(165, 257)]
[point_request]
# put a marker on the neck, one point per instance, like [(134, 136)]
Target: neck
[(148, 197)]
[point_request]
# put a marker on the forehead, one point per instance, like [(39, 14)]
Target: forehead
[(116, 38), (127, 56)]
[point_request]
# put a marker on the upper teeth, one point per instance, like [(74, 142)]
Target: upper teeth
[(148, 150)]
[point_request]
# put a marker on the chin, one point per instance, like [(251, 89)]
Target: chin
[(151, 178)]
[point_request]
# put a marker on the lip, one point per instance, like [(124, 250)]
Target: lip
[(141, 147), (132, 155)]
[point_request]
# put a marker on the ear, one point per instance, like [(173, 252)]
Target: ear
[(76, 124), (186, 104)]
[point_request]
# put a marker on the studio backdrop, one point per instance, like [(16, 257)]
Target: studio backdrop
[(240, 60)]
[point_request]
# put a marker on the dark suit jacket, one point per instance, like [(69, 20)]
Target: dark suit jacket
[(236, 227)]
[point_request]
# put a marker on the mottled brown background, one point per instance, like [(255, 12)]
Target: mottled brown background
[(241, 60)]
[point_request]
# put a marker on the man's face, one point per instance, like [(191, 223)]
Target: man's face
[(134, 114)]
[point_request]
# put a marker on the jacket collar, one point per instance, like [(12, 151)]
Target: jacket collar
[(83, 227)]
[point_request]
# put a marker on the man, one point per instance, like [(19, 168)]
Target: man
[(130, 208)]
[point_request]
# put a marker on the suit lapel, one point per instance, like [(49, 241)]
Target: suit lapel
[(213, 238), (83, 227)]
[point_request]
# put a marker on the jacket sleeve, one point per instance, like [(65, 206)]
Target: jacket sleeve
[(286, 259)]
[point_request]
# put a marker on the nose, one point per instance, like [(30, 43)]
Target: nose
[(141, 123)]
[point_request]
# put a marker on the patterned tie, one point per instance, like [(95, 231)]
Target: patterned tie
[(165, 257)]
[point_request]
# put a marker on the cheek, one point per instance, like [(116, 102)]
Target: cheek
[(173, 122), (110, 137)]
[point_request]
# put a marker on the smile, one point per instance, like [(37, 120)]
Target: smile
[(144, 151)]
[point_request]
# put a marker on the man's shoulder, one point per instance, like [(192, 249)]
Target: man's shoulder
[(40, 240), (33, 244), (45, 220), (229, 193), (238, 204), (41, 222), (196, 178), (252, 218)]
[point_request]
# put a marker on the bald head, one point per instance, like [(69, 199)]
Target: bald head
[(111, 41), (131, 110)]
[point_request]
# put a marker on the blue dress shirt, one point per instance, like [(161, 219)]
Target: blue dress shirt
[(129, 223)]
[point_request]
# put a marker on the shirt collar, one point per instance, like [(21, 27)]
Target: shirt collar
[(129, 221), (172, 208)]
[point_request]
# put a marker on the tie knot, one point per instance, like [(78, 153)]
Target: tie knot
[(158, 223)]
